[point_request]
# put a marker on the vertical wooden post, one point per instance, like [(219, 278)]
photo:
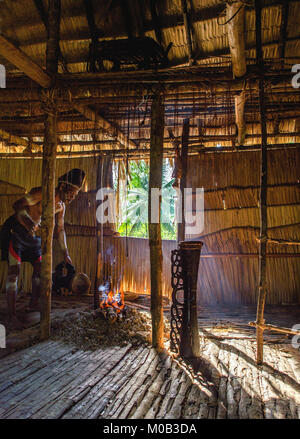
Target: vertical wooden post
[(239, 104), (48, 168), (187, 27), (155, 181), (98, 237), (184, 159), (263, 194)]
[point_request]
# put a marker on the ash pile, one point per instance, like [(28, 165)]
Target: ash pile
[(88, 330)]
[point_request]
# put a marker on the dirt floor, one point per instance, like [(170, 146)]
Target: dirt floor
[(67, 378)]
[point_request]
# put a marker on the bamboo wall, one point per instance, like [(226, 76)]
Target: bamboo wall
[(231, 225), (232, 178)]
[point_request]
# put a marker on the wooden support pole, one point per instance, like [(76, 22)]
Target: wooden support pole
[(235, 17), (184, 166), (276, 328), (89, 10), (239, 105), (263, 193), (99, 234), (155, 21), (127, 18), (155, 181), (187, 27), (283, 29), (42, 13), (48, 168), (137, 11)]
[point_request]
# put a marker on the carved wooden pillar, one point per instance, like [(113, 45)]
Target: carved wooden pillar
[(184, 319)]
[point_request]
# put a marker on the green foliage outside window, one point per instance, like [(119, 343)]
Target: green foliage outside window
[(134, 203)]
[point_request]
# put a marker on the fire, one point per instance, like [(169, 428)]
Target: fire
[(112, 300), (111, 303)]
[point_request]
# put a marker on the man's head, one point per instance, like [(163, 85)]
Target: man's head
[(67, 193), (70, 184)]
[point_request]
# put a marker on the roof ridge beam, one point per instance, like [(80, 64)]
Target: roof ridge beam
[(25, 64), (37, 74), (235, 23)]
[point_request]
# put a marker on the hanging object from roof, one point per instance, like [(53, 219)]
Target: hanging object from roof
[(127, 54)]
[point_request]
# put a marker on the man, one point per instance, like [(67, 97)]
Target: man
[(19, 242)]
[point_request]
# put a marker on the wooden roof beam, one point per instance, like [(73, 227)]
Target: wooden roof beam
[(11, 139), (168, 151), (235, 18), (100, 122), (35, 72), (235, 22), (283, 28), (156, 22), (19, 59), (188, 31)]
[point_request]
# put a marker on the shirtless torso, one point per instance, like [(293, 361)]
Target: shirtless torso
[(20, 243), (29, 212)]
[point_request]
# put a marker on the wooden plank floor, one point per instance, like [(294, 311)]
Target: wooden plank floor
[(53, 380)]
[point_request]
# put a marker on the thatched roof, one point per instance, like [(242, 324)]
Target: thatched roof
[(197, 82), (22, 24)]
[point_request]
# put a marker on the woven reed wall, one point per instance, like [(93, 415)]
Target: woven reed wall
[(230, 178), (26, 173), (231, 225)]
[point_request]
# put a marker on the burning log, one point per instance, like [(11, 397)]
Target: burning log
[(111, 305)]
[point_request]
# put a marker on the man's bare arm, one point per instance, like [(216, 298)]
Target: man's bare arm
[(31, 199), (60, 233)]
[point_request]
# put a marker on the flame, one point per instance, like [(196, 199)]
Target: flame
[(112, 300)]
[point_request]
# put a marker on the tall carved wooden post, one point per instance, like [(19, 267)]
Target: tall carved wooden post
[(48, 167), (190, 254), (184, 319), (155, 181)]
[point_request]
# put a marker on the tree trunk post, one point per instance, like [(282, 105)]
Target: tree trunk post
[(155, 181), (48, 168), (184, 166), (263, 195)]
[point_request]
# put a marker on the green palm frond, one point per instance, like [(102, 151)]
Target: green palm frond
[(136, 202)]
